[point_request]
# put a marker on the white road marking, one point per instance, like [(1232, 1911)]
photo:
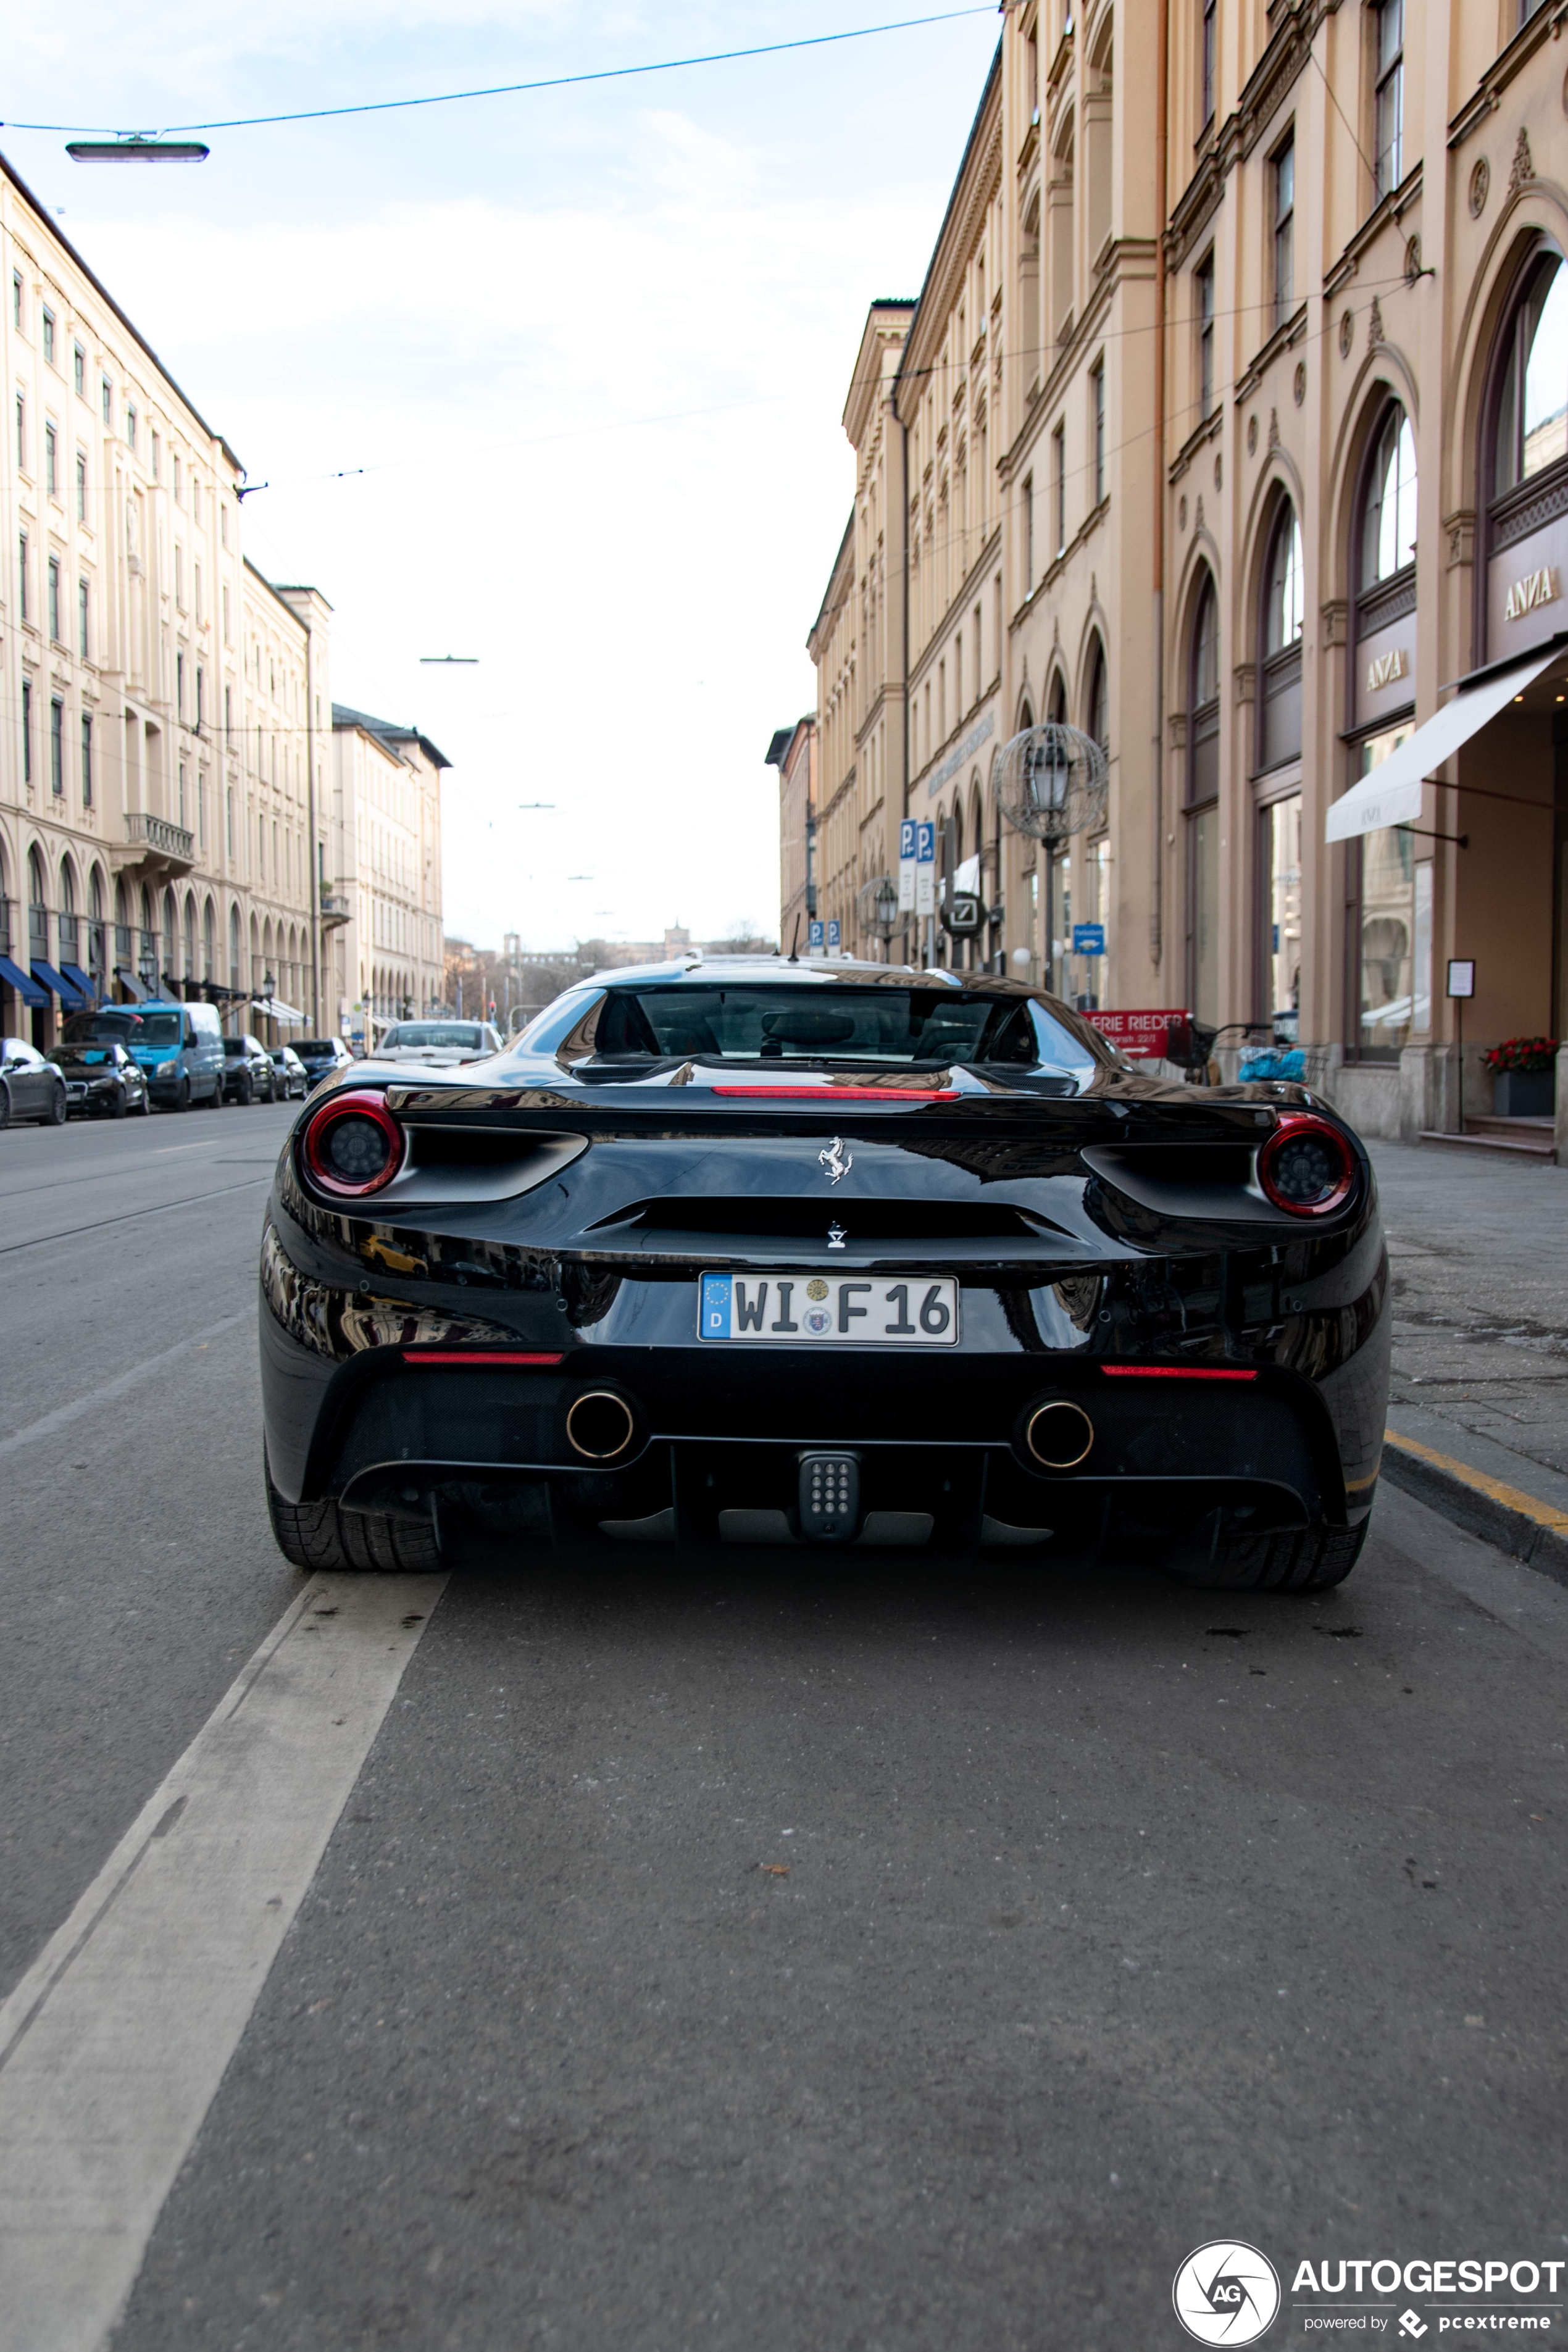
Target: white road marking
[(114, 2042), (64, 1414)]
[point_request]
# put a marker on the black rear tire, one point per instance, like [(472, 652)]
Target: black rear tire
[(319, 1536), (59, 1108), (1307, 1559)]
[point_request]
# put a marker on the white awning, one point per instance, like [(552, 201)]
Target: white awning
[(275, 1010), (1392, 794)]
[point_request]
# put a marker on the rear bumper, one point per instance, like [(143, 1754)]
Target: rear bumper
[(390, 1431)]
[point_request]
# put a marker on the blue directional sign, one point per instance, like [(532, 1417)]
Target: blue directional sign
[(925, 844), (1089, 938), (907, 831), (833, 935), (814, 937)]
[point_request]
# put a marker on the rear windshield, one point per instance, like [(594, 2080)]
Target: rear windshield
[(80, 1057), (463, 1034), (824, 1023), (315, 1045), (107, 1022)]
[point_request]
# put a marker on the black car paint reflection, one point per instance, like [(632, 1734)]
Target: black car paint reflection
[(1115, 1249)]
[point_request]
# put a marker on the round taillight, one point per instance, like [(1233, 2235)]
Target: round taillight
[(352, 1146), (1306, 1167)]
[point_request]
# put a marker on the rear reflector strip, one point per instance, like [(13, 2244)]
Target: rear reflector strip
[(848, 1094), (1171, 1372), (475, 1356)]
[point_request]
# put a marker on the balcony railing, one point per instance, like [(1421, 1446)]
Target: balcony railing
[(334, 907), (168, 840)]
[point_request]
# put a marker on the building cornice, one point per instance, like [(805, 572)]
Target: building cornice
[(1231, 143), (1391, 209), (978, 179), (1291, 330), (10, 172), (1546, 25)]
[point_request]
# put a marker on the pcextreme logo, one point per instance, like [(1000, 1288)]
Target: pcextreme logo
[(1227, 2293)]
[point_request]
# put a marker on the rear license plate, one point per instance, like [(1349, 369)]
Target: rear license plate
[(819, 1310)]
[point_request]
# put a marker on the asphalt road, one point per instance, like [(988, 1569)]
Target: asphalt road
[(768, 1958)]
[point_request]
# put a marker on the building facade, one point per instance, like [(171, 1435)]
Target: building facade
[(793, 751), (1233, 417), (386, 955), (160, 799)]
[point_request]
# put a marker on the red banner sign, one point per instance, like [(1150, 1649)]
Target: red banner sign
[(1165, 1035)]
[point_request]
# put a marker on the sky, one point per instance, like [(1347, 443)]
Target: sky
[(553, 380)]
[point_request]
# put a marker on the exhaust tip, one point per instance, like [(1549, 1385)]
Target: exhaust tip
[(1058, 1434), (599, 1425)]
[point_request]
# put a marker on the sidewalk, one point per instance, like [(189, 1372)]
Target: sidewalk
[(1478, 1421)]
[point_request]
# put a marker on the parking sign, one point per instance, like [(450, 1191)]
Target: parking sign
[(925, 867)]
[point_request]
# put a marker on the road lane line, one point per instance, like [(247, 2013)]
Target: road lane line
[(114, 2042), (64, 1414), (160, 1209)]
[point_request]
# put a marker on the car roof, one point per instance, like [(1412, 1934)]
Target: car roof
[(775, 970)]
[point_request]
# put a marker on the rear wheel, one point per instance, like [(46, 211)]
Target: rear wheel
[(58, 1106), (321, 1536), (1307, 1559)]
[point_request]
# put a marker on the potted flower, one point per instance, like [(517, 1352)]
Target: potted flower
[(1524, 1078)]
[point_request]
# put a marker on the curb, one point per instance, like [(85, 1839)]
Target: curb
[(1515, 1522)]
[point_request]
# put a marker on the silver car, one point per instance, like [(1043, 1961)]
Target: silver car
[(437, 1045)]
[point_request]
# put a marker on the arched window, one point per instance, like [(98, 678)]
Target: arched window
[(234, 979), (1057, 701), (1533, 412), (37, 909), (70, 942), (189, 969), (1097, 710), (170, 947), (1388, 515), (1279, 666), (1287, 604), (1203, 697), (209, 941), (1202, 806)]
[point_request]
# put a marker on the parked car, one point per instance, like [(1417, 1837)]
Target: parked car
[(30, 1087), (763, 1253), (322, 1057), (291, 1074), (437, 1045), (247, 1073), (102, 1081), (178, 1047)]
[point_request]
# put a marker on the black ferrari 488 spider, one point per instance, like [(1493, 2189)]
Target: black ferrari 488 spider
[(762, 1252)]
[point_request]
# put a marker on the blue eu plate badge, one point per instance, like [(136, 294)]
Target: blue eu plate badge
[(716, 1305)]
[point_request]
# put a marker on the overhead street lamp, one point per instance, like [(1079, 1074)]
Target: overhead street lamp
[(137, 148)]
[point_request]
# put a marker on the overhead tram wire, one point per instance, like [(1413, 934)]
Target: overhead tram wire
[(521, 89)]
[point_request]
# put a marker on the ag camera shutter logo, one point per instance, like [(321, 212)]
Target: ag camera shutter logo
[(1227, 2293)]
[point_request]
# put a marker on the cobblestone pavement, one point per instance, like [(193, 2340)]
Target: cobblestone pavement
[(1477, 1244)]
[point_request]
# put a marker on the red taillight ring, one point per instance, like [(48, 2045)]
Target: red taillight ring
[(359, 1104), (1292, 1125)]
